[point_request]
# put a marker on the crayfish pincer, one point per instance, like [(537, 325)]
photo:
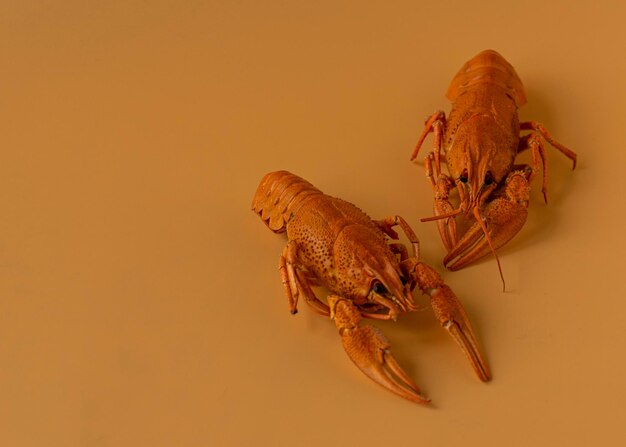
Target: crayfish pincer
[(479, 142), (332, 243)]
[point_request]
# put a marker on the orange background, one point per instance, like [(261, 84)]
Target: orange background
[(140, 302)]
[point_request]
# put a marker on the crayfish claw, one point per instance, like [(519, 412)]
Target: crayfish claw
[(452, 316), (368, 349), (504, 217)]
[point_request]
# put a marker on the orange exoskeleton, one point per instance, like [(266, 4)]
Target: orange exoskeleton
[(332, 243), (479, 142)]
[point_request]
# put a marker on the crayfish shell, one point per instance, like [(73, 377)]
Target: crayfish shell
[(278, 196), (487, 67)]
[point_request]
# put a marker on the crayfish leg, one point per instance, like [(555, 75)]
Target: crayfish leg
[(296, 283)]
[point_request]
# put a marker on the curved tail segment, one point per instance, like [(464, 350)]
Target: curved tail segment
[(278, 196), (487, 67)]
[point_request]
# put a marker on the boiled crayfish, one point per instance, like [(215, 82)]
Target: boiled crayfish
[(332, 243), (479, 142)]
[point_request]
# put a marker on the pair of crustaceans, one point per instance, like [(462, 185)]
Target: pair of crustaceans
[(334, 244)]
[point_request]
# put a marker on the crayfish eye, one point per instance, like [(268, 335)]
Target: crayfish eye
[(379, 289), (489, 178), (463, 177)]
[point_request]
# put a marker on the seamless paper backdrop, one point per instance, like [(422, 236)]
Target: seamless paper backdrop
[(140, 300)]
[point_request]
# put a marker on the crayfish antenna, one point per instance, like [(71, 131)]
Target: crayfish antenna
[(441, 216), (481, 222)]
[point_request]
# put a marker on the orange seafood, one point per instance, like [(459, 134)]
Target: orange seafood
[(332, 243), (479, 142)]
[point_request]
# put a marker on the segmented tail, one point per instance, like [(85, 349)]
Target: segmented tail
[(487, 67), (278, 196)]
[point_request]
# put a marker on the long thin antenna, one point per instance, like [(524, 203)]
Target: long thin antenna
[(493, 250), (441, 216)]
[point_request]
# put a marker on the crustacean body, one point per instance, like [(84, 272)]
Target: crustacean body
[(479, 142), (332, 243)]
